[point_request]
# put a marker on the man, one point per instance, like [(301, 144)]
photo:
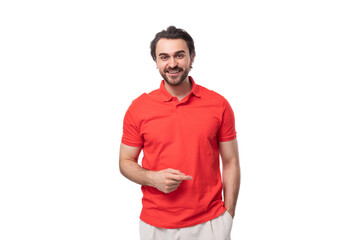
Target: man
[(181, 128)]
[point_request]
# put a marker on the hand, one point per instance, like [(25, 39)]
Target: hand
[(167, 180)]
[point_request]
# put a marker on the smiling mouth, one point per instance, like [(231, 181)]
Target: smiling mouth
[(173, 71)]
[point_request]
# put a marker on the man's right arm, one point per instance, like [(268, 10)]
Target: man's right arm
[(167, 180)]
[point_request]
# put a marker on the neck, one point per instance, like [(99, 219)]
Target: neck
[(179, 91)]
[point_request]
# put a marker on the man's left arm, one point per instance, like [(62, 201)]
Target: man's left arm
[(230, 173)]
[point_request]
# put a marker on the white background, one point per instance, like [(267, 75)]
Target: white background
[(69, 70)]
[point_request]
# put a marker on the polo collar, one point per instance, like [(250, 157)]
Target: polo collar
[(166, 96)]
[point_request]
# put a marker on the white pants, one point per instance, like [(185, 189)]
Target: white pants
[(216, 229)]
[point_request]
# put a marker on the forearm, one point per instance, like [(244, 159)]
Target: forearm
[(166, 180), (134, 172), (231, 183)]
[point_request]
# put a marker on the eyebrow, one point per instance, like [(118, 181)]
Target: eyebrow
[(165, 54)]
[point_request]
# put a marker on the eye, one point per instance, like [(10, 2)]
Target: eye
[(180, 55), (164, 57)]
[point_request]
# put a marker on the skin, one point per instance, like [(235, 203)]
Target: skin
[(230, 173), (173, 55)]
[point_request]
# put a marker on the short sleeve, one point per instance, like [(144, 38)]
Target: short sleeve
[(131, 133), (227, 130)]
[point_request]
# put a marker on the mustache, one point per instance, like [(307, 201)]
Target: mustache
[(174, 69)]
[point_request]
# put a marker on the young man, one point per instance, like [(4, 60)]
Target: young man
[(181, 128)]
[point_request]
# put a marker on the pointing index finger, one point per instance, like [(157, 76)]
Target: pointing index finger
[(178, 177), (174, 171), (186, 177)]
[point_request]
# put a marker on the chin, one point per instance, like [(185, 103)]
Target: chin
[(175, 82)]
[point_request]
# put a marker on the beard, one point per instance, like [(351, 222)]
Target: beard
[(176, 80)]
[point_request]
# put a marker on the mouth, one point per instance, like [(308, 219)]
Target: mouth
[(173, 72)]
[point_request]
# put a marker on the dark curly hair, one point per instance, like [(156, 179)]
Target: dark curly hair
[(172, 33)]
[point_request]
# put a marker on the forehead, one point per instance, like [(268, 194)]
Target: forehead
[(170, 46)]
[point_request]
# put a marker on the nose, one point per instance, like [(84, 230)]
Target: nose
[(172, 63)]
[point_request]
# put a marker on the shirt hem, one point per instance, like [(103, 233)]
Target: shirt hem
[(175, 226)]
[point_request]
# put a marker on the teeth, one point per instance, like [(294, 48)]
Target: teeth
[(173, 71)]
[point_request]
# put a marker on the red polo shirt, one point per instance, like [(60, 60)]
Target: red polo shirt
[(184, 136)]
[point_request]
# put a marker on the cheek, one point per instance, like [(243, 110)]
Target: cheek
[(187, 63), (160, 66)]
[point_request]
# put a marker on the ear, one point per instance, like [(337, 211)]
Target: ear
[(192, 59), (156, 64)]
